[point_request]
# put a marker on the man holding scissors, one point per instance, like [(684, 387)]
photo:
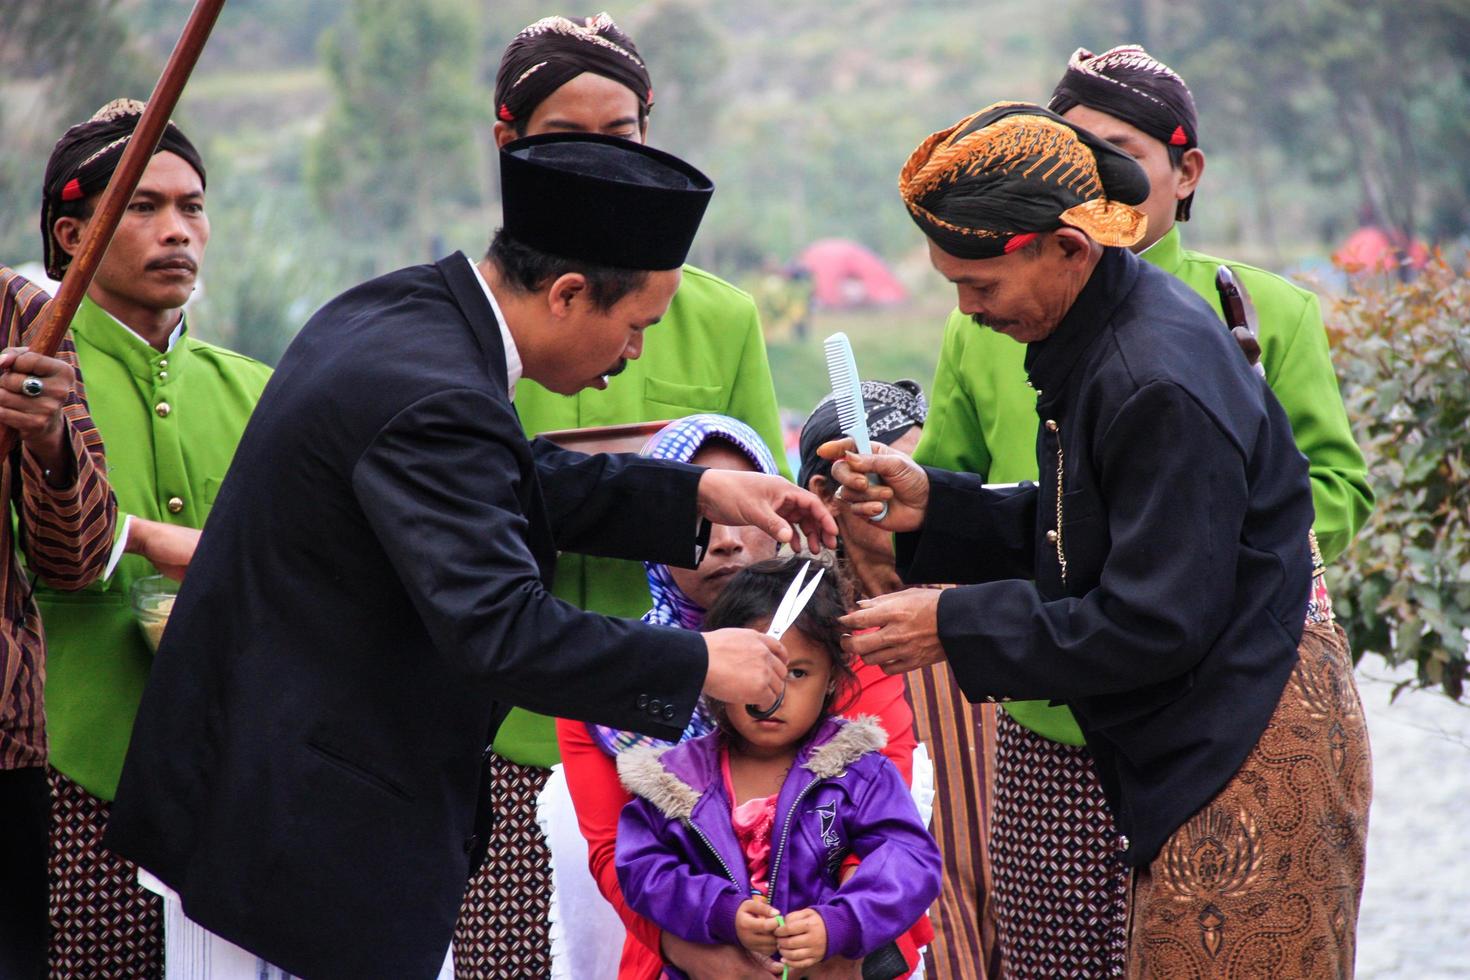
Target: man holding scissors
[(371, 594)]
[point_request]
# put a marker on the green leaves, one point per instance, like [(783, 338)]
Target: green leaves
[(1402, 590)]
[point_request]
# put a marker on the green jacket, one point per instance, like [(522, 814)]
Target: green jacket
[(170, 421), (982, 416), (706, 355)]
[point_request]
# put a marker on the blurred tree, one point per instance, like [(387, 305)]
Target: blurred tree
[(686, 58), (395, 159), (1354, 91), (58, 64)]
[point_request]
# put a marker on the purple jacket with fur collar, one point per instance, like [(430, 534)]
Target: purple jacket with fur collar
[(680, 865)]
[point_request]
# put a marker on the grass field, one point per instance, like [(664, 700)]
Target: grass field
[(899, 342)]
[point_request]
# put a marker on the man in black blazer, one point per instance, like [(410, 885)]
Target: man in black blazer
[(370, 595)]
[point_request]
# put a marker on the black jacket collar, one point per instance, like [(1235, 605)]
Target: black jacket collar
[(476, 309), (1050, 361)]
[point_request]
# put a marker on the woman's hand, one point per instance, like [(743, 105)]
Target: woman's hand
[(703, 962)]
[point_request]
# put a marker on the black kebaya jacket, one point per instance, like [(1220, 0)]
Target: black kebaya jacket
[(309, 766), (1184, 508)]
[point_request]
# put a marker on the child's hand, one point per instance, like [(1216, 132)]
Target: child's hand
[(802, 940), (755, 926)]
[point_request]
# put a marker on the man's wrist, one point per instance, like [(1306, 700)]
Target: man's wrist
[(52, 452)]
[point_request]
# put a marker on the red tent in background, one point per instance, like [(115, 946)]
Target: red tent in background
[(845, 274), (1371, 249)]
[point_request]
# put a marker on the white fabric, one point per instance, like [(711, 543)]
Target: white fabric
[(192, 952), (513, 366), (922, 788), (586, 933)]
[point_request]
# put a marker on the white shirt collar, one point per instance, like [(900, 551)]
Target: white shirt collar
[(512, 355), (173, 337)]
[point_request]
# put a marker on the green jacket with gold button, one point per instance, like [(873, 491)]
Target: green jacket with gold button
[(983, 414), (707, 354), (170, 421)]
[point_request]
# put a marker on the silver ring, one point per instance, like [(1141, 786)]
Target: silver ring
[(33, 387)]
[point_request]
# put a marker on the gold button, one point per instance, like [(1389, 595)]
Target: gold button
[(175, 504), (1051, 425), (1051, 537), (1029, 384), (162, 408), (162, 375)]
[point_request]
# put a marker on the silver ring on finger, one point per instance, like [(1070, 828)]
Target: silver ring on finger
[(838, 494), (33, 387)]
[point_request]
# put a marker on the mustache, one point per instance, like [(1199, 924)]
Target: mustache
[(992, 323), (172, 259)]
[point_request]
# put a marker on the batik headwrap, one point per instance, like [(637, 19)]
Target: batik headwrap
[(554, 50), (1128, 83), (992, 182), (680, 441), (83, 161), (893, 408)]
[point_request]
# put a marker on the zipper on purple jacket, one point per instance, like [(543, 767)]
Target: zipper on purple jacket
[(707, 843), (785, 832)]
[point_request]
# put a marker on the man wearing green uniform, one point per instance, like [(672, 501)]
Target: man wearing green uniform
[(983, 420), (706, 355), (171, 410)]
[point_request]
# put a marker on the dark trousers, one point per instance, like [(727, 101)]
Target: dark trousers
[(25, 816)]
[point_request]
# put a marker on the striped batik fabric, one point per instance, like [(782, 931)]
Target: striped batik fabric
[(65, 535), (960, 738)]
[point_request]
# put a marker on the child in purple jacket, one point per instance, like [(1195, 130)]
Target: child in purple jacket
[(799, 813)]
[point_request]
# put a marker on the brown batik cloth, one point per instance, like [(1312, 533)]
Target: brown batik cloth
[(1061, 889), (960, 738), (104, 925), (1265, 880), (503, 926)]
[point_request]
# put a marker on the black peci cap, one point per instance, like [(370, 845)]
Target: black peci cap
[(601, 199)]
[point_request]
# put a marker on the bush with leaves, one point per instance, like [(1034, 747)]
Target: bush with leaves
[(1402, 591)]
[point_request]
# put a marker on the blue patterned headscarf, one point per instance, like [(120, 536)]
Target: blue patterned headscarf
[(680, 441)]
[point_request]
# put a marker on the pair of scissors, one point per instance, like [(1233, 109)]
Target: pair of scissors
[(792, 604)]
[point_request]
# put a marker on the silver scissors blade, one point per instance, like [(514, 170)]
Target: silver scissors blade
[(787, 612), (797, 596)]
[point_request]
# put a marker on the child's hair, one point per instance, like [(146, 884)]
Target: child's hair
[(752, 596)]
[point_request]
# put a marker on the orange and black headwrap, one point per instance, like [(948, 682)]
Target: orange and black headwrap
[(83, 161), (992, 182), (554, 50), (1130, 84)]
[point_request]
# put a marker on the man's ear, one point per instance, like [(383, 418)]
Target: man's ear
[(69, 232), (567, 289), (1073, 242), (505, 133), (1191, 169)]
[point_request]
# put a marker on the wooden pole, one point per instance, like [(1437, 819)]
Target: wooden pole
[(56, 317)]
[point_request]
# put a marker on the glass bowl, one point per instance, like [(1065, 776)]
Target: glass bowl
[(153, 599)]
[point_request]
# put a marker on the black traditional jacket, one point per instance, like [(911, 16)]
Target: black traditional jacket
[(1156, 580), (309, 768)]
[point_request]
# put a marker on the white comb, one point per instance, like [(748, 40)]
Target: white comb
[(847, 392)]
